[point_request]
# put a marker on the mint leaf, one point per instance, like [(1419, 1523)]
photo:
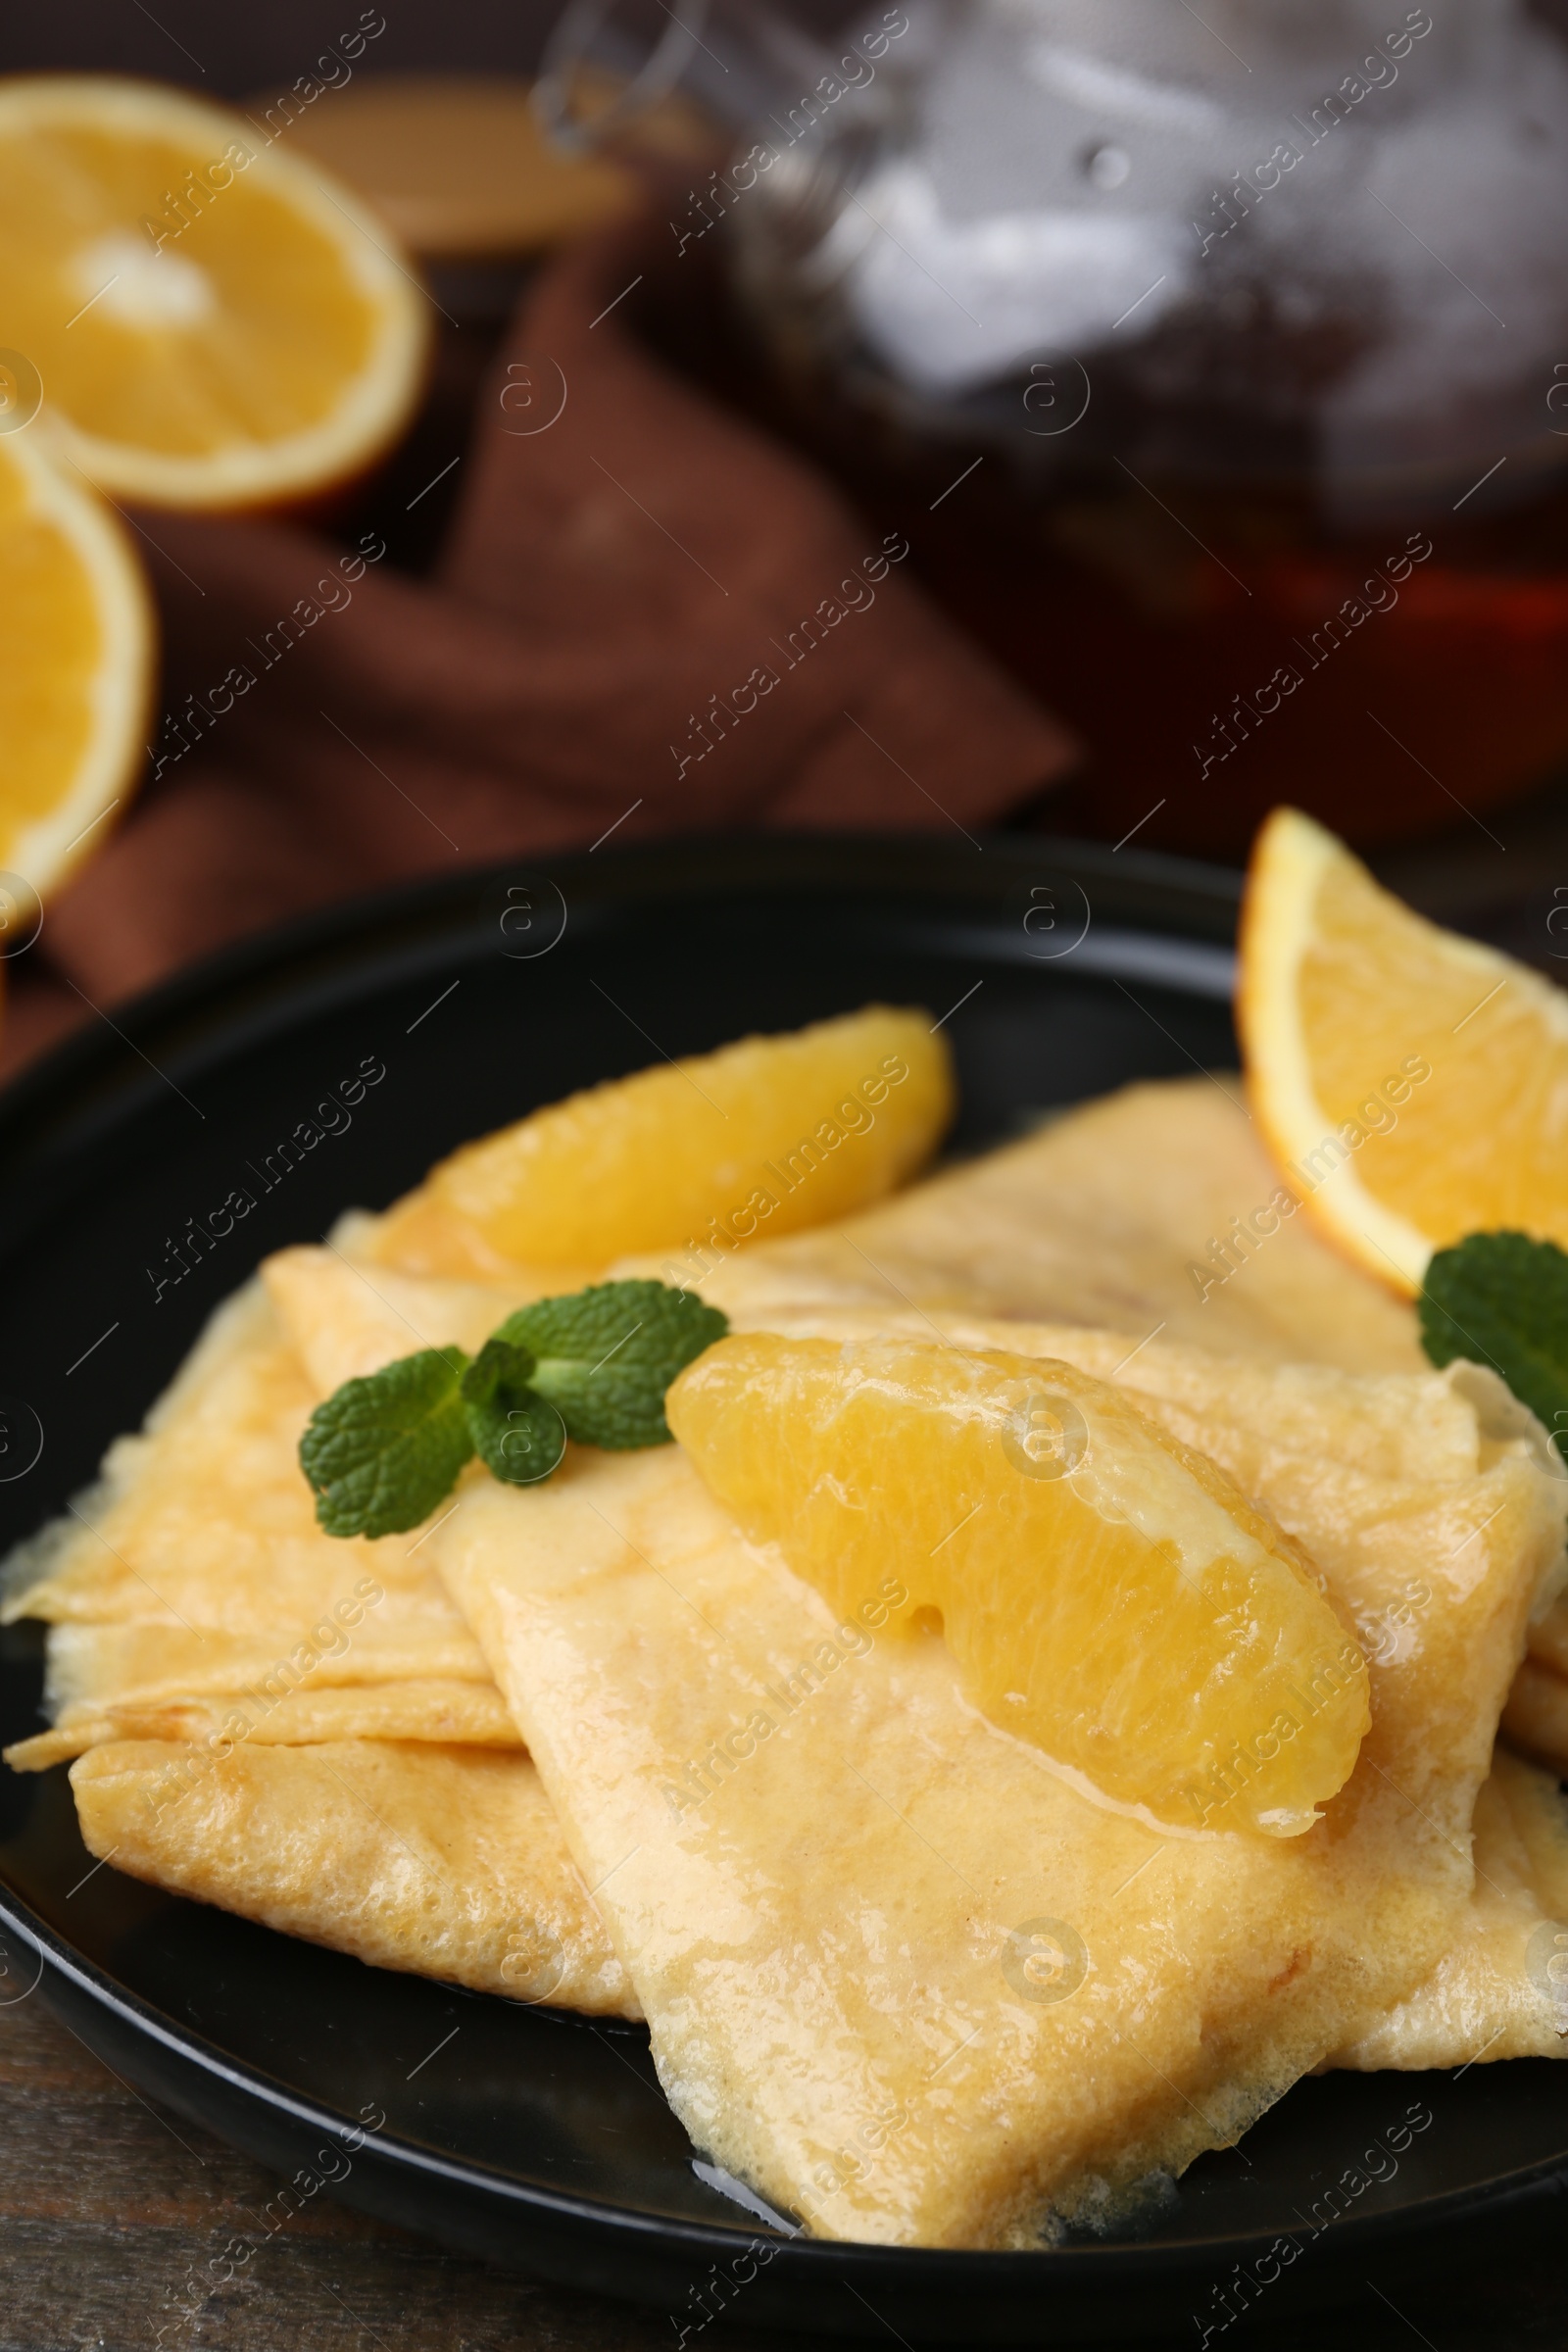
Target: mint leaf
[(520, 1443), (1502, 1299), (383, 1451), (516, 1434), (500, 1363), (604, 1357)]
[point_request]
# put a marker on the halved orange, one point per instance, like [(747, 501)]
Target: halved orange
[(215, 323), (1413, 1085), (75, 673)]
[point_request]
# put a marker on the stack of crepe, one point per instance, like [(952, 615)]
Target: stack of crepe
[(300, 1729), (820, 1876)]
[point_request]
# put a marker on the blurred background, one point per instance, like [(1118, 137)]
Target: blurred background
[(231, 52), (1211, 366)]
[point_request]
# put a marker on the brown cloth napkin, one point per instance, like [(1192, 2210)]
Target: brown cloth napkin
[(645, 611)]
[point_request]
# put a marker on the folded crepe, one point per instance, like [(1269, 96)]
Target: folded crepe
[(1495, 1991), (818, 1922), (1491, 1996), (203, 1523), (826, 1875), (192, 1595), (300, 1730), (451, 1713), (446, 1861)]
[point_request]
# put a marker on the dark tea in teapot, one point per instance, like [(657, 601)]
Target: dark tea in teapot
[(1214, 359)]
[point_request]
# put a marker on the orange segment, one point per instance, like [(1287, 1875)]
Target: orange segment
[(696, 1157), (1413, 1085), (214, 324), (77, 624), (1107, 1593)]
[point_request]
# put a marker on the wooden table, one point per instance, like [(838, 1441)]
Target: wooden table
[(118, 2221)]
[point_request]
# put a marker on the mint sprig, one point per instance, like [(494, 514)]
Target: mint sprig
[(1502, 1299), (381, 1452)]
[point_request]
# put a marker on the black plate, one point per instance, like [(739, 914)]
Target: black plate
[(530, 2136)]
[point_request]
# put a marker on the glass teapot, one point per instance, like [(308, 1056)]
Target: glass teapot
[(1249, 321)]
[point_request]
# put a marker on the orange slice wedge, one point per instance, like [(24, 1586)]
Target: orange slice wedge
[(1412, 1085), (77, 624), (1108, 1594), (213, 324), (697, 1156)]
